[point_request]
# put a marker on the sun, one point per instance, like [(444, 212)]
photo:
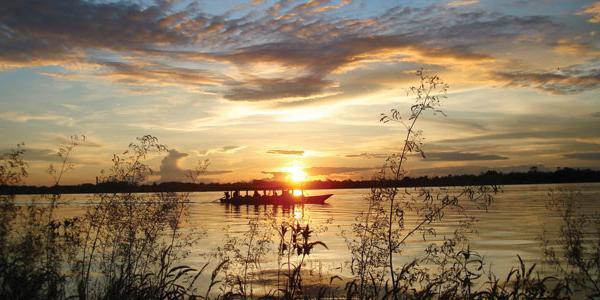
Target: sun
[(296, 174)]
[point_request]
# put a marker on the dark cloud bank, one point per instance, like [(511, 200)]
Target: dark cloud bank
[(135, 44)]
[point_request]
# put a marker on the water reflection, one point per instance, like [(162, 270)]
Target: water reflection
[(512, 225), (297, 212)]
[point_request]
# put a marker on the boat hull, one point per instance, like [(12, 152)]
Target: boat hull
[(277, 200)]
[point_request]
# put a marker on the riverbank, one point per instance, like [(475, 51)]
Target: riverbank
[(561, 175)]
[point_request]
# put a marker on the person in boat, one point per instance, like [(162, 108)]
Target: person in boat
[(226, 195), (256, 195), (236, 194)]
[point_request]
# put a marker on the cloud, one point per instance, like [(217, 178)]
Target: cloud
[(277, 176), (468, 170), (43, 32), (224, 149), (286, 152), (261, 89), (368, 155), (570, 80), (39, 154), (143, 73), (26, 117), (457, 3), (50, 156), (572, 47), (308, 44), (63, 139), (324, 171), (172, 171), (461, 156), (215, 172), (584, 156), (514, 135), (316, 61), (170, 167), (593, 10), (317, 171)]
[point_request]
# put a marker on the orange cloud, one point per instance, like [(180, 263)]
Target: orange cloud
[(593, 11)]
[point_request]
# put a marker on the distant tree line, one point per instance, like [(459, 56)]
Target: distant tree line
[(533, 176)]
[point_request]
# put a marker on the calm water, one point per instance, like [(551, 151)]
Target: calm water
[(512, 225)]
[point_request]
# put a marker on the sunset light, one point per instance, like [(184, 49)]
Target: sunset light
[(296, 174), (160, 149)]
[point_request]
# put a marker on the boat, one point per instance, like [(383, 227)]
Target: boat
[(285, 199)]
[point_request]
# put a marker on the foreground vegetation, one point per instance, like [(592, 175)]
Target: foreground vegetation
[(130, 246)]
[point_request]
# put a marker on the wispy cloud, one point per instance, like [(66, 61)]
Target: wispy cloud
[(325, 171), (286, 152), (46, 156), (457, 3), (14, 116), (568, 80), (474, 169), (584, 155), (368, 155), (592, 10), (319, 171), (224, 149), (89, 142), (461, 156)]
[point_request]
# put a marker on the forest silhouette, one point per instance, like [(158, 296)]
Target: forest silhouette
[(491, 177)]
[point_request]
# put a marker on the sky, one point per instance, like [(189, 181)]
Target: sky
[(259, 87)]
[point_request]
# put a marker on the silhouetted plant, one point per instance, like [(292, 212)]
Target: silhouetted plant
[(34, 245), (381, 232), (132, 241), (243, 256), (523, 283), (295, 245), (576, 252), (13, 168)]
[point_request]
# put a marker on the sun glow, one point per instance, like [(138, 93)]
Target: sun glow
[(296, 173)]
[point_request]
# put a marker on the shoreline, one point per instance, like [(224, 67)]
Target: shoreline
[(142, 190)]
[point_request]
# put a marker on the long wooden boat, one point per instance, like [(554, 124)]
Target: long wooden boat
[(285, 199)]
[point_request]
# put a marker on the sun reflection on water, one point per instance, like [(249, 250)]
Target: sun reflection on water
[(298, 213)]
